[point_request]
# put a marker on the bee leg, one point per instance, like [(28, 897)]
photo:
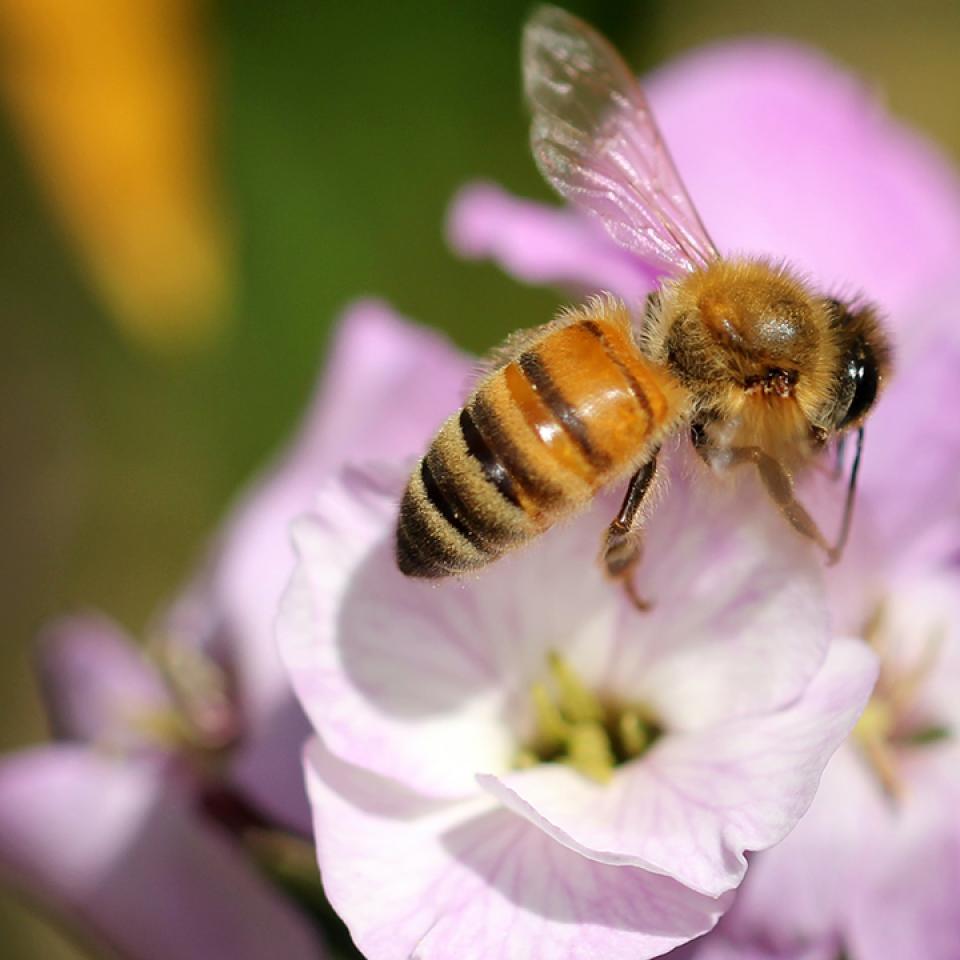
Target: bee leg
[(622, 546), (780, 487), (777, 483)]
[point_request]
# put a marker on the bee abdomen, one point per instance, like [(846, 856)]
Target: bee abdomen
[(462, 507), (542, 434)]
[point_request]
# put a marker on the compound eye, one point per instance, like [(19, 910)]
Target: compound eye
[(861, 373)]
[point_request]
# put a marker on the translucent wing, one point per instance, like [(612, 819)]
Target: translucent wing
[(596, 142)]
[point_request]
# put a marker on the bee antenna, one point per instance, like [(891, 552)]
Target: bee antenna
[(837, 550)]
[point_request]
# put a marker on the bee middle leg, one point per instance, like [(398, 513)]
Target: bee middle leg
[(775, 480), (622, 544)]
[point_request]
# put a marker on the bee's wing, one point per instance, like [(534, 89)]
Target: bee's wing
[(596, 142)]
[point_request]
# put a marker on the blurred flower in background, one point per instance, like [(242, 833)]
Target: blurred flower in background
[(147, 824), (113, 102)]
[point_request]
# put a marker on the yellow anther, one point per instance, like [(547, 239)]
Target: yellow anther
[(634, 733), (525, 759), (166, 728), (590, 753), (876, 722), (200, 690), (576, 702), (885, 724), (552, 728), (574, 727)]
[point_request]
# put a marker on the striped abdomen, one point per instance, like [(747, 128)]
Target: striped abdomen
[(576, 409)]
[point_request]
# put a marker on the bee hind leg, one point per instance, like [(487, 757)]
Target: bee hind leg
[(622, 544)]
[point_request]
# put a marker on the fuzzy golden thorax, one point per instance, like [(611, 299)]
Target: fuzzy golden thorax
[(757, 349)]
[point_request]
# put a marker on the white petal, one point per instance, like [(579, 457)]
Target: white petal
[(436, 881), (803, 889), (739, 623), (429, 683), (696, 802)]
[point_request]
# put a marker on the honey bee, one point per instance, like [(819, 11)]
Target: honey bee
[(758, 367)]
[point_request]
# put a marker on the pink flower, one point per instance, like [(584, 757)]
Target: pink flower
[(800, 162), (131, 825), (106, 828), (438, 832), (873, 869), (387, 386)]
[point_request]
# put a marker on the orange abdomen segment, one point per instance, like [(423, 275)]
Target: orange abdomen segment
[(600, 395), (591, 399), (574, 410)]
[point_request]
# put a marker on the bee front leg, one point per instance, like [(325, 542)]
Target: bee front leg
[(775, 480), (622, 545)]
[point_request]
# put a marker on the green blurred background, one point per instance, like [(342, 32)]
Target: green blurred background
[(340, 132)]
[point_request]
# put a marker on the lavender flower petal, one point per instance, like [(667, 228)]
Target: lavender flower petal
[(121, 854)]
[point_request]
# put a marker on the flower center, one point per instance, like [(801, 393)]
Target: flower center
[(893, 720), (576, 727), (200, 721), (202, 692)]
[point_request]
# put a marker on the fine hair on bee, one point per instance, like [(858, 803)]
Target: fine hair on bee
[(742, 353)]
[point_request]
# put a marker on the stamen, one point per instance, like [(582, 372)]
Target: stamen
[(876, 722), (552, 728), (200, 689), (908, 685), (165, 727), (927, 735), (635, 734), (199, 721), (889, 724), (574, 726), (588, 752), (576, 702)]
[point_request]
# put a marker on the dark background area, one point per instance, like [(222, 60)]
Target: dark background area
[(342, 131)]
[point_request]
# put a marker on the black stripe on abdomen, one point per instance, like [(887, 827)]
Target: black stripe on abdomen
[(448, 503), (494, 469), (541, 493), (639, 394), (436, 534), (488, 530), (419, 552), (536, 372)]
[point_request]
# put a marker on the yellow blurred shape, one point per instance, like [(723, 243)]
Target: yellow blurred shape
[(112, 99)]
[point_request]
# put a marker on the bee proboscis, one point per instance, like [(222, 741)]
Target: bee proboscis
[(759, 368)]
